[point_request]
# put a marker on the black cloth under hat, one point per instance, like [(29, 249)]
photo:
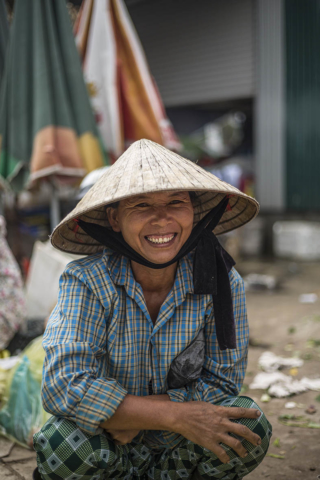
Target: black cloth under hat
[(210, 270)]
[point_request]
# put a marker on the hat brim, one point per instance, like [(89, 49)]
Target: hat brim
[(116, 185), (69, 237)]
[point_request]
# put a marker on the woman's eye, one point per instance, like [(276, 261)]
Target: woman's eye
[(175, 202), (142, 205)]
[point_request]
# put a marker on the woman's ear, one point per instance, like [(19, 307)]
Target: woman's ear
[(112, 214)]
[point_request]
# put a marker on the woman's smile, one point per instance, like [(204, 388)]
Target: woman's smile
[(161, 241), (156, 225)]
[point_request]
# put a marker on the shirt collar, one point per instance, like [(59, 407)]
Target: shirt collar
[(121, 274)]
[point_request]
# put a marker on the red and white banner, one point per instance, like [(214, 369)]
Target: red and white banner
[(124, 96)]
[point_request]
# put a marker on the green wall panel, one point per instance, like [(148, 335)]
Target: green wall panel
[(302, 19)]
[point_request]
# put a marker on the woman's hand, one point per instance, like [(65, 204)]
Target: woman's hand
[(122, 437), (209, 425)]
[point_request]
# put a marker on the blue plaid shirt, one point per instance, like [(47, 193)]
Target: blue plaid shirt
[(101, 344)]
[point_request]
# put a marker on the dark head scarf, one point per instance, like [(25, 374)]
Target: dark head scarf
[(210, 271)]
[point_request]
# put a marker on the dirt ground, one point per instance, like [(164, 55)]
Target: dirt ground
[(279, 323), (282, 325)]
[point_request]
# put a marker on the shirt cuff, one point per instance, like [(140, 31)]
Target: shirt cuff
[(99, 404), (178, 394)]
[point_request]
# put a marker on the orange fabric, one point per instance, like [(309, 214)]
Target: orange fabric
[(55, 146), (138, 117), (83, 42)]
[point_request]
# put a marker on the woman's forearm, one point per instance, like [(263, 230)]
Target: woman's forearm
[(153, 412), (163, 398)]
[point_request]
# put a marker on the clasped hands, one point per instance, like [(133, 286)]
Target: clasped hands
[(122, 437), (207, 425)]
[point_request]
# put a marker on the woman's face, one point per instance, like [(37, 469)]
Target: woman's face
[(156, 225)]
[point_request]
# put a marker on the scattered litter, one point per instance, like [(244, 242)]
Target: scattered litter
[(296, 354), (280, 385), (313, 343), (297, 421), (309, 344), (311, 410), (290, 405), (256, 281), (290, 387), (289, 347), (264, 380), (308, 298), (291, 416), (269, 362), (307, 356), (274, 455), (276, 443), (265, 398), (311, 383)]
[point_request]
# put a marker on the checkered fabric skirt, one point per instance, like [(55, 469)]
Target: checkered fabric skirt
[(66, 452)]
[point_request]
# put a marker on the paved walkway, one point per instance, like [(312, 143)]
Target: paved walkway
[(17, 463)]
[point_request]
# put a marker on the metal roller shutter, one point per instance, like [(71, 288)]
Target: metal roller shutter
[(198, 51)]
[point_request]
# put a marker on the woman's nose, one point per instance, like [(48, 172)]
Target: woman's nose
[(161, 216)]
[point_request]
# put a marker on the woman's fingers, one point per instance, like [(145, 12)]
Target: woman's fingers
[(236, 445), (122, 437), (240, 412), (245, 432), (221, 453)]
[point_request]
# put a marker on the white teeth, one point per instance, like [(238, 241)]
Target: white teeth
[(160, 240)]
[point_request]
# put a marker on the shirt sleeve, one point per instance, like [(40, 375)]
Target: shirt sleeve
[(223, 370), (74, 385)]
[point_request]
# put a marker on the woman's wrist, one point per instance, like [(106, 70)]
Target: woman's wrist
[(176, 415), (143, 413)]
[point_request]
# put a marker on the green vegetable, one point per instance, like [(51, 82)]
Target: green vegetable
[(276, 443), (273, 455)]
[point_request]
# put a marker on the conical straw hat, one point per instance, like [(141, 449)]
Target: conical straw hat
[(148, 167)]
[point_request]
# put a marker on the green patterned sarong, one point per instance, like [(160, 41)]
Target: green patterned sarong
[(66, 452)]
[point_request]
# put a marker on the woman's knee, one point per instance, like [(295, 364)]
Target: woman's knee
[(259, 426), (63, 449)]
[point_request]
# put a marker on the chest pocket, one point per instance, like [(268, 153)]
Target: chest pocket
[(187, 366)]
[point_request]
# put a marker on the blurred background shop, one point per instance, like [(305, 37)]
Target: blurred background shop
[(240, 86)]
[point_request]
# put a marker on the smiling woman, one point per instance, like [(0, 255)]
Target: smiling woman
[(156, 225), (146, 350)]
